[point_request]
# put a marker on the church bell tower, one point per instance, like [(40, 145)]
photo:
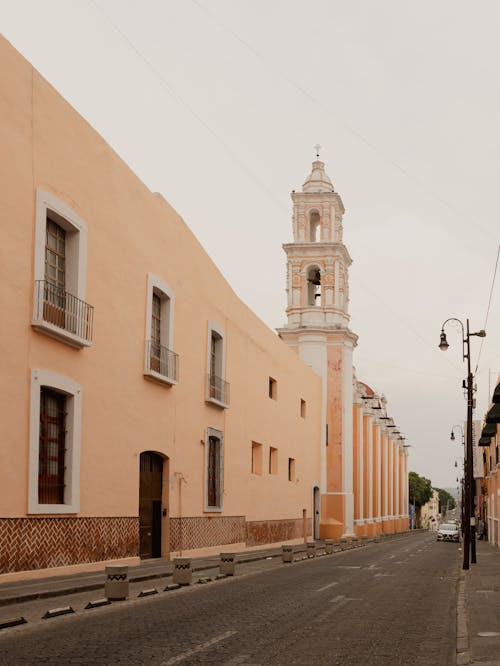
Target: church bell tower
[(317, 328)]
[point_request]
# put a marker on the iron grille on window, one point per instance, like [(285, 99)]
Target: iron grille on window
[(218, 389), (51, 449), (162, 360), (59, 308), (213, 472)]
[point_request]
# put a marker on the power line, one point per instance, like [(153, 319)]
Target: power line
[(175, 95), (488, 308), (317, 102), (403, 321), (234, 156)]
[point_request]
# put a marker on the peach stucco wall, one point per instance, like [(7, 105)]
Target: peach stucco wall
[(133, 232)]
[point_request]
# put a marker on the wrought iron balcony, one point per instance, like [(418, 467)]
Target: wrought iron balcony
[(62, 315), (162, 361), (217, 390)]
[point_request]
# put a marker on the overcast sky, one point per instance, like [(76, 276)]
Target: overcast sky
[(217, 105)]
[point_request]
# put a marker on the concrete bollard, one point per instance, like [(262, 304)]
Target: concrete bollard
[(345, 544), (116, 586), (183, 574), (311, 549), (355, 542), (227, 564), (287, 553), (329, 546), (364, 540)]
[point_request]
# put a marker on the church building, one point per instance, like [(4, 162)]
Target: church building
[(148, 412), (363, 460)]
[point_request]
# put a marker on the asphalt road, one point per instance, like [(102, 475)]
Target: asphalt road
[(392, 603)]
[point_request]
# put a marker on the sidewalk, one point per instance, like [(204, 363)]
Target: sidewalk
[(54, 586), (479, 609)]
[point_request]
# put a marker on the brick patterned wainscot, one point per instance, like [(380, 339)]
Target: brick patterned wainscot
[(274, 531), (204, 531), (40, 543)]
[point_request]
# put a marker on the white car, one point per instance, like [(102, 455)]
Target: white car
[(448, 532)]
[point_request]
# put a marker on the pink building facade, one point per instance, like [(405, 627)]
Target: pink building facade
[(150, 412), (487, 469)]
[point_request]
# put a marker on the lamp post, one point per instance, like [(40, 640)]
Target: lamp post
[(470, 528)]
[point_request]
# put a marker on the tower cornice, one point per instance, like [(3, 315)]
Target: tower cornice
[(312, 249), (319, 198), (332, 333)]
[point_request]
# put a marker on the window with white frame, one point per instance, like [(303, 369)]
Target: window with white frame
[(55, 434), (214, 470), (161, 362), (60, 273), (217, 387)]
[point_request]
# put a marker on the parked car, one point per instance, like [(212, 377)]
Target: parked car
[(448, 532)]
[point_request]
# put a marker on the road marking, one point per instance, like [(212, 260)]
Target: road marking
[(336, 599), (379, 575), (347, 566), (239, 659), (342, 597), (488, 633), (327, 586), (198, 648)]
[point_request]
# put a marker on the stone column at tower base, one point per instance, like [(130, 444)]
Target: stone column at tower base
[(370, 528), (360, 528), (333, 510)]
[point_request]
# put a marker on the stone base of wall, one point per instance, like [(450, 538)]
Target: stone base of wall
[(28, 544), (204, 531), (45, 542), (273, 531)]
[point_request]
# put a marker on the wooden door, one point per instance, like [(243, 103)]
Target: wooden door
[(150, 503)]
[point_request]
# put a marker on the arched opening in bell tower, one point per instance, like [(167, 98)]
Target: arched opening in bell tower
[(314, 286), (314, 227)]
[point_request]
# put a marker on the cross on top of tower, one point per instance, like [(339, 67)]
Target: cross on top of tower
[(317, 148)]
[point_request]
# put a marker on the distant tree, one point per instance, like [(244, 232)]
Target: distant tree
[(420, 489), (446, 501)]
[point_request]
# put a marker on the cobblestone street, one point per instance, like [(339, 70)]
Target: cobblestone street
[(388, 603)]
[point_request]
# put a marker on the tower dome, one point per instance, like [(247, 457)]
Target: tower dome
[(318, 180)]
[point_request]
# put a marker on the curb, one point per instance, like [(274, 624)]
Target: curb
[(463, 640)]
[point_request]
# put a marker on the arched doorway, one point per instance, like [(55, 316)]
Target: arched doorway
[(150, 504)]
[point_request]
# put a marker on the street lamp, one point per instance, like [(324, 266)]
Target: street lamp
[(470, 527), (452, 435)]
